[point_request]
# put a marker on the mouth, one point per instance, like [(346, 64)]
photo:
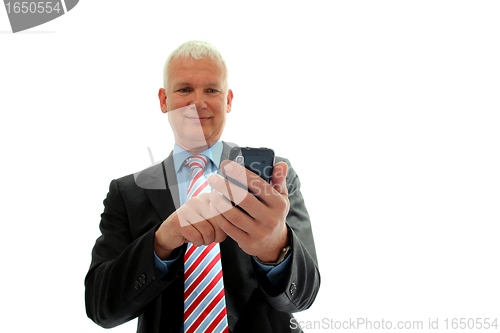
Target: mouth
[(199, 118)]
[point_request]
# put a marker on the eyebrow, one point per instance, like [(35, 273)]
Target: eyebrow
[(213, 84), (208, 84), (180, 84)]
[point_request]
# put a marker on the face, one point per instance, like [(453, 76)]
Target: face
[(199, 82)]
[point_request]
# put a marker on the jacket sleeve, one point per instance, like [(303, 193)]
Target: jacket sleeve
[(122, 278), (301, 286)]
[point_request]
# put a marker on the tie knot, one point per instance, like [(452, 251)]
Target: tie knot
[(196, 162), (198, 181)]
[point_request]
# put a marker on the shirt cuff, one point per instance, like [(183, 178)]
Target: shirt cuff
[(163, 265), (275, 274)]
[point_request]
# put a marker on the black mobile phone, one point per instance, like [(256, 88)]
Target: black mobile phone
[(257, 160)]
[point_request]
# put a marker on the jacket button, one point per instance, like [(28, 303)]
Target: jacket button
[(292, 288), (141, 281)]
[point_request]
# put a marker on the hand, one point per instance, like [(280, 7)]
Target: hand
[(192, 222), (259, 229)]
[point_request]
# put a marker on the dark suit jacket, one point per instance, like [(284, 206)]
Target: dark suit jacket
[(122, 282)]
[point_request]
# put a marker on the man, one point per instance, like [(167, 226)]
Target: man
[(265, 242)]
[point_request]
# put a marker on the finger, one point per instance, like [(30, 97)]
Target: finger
[(231, 191), (188, 217), (210, 216), (233, 215), (257, 209), (226, 225), (234, 170), (278, 182), (193, 216), (255, 184), (220, 235), (191, 234), (200, 206), (245, 177), (221, 201), (216, 221)]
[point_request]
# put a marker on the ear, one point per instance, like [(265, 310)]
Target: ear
[(229, 100), (162, 96)]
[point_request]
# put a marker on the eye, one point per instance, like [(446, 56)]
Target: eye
[(184, 90), (212, 91)]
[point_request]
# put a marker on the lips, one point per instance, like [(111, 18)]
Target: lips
[(200, 118)]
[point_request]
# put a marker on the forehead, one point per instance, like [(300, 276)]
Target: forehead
[(195, 71)]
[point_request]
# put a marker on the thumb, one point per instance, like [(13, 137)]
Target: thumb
[(280, 171)]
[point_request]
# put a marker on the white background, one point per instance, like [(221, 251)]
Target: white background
[(388, 110)]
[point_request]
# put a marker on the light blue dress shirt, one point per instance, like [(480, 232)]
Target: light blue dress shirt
[(275, 274)]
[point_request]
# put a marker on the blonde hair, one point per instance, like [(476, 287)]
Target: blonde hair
[(196, 50)]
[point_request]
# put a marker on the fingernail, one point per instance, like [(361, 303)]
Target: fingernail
[(212, 180), (228, 167)]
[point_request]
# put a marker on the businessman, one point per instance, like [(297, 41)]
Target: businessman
[(186, 250)]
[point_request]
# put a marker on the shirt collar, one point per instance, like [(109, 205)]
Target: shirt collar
[(214, 153)]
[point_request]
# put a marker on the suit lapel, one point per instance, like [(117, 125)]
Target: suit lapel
[(171, 179), (160, 185), (225, 152)]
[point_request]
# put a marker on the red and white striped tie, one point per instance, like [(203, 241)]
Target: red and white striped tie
[(204, 302)]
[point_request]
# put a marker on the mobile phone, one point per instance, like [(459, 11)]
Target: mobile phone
[(257, 160)]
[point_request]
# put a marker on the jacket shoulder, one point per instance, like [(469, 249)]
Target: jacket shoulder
[(151, 178)]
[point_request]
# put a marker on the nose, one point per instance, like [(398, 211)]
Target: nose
[(199, 100)]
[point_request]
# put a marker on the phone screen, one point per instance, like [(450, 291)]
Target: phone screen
[(257, 160)]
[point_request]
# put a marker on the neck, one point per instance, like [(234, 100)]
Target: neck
[(196, 149)]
